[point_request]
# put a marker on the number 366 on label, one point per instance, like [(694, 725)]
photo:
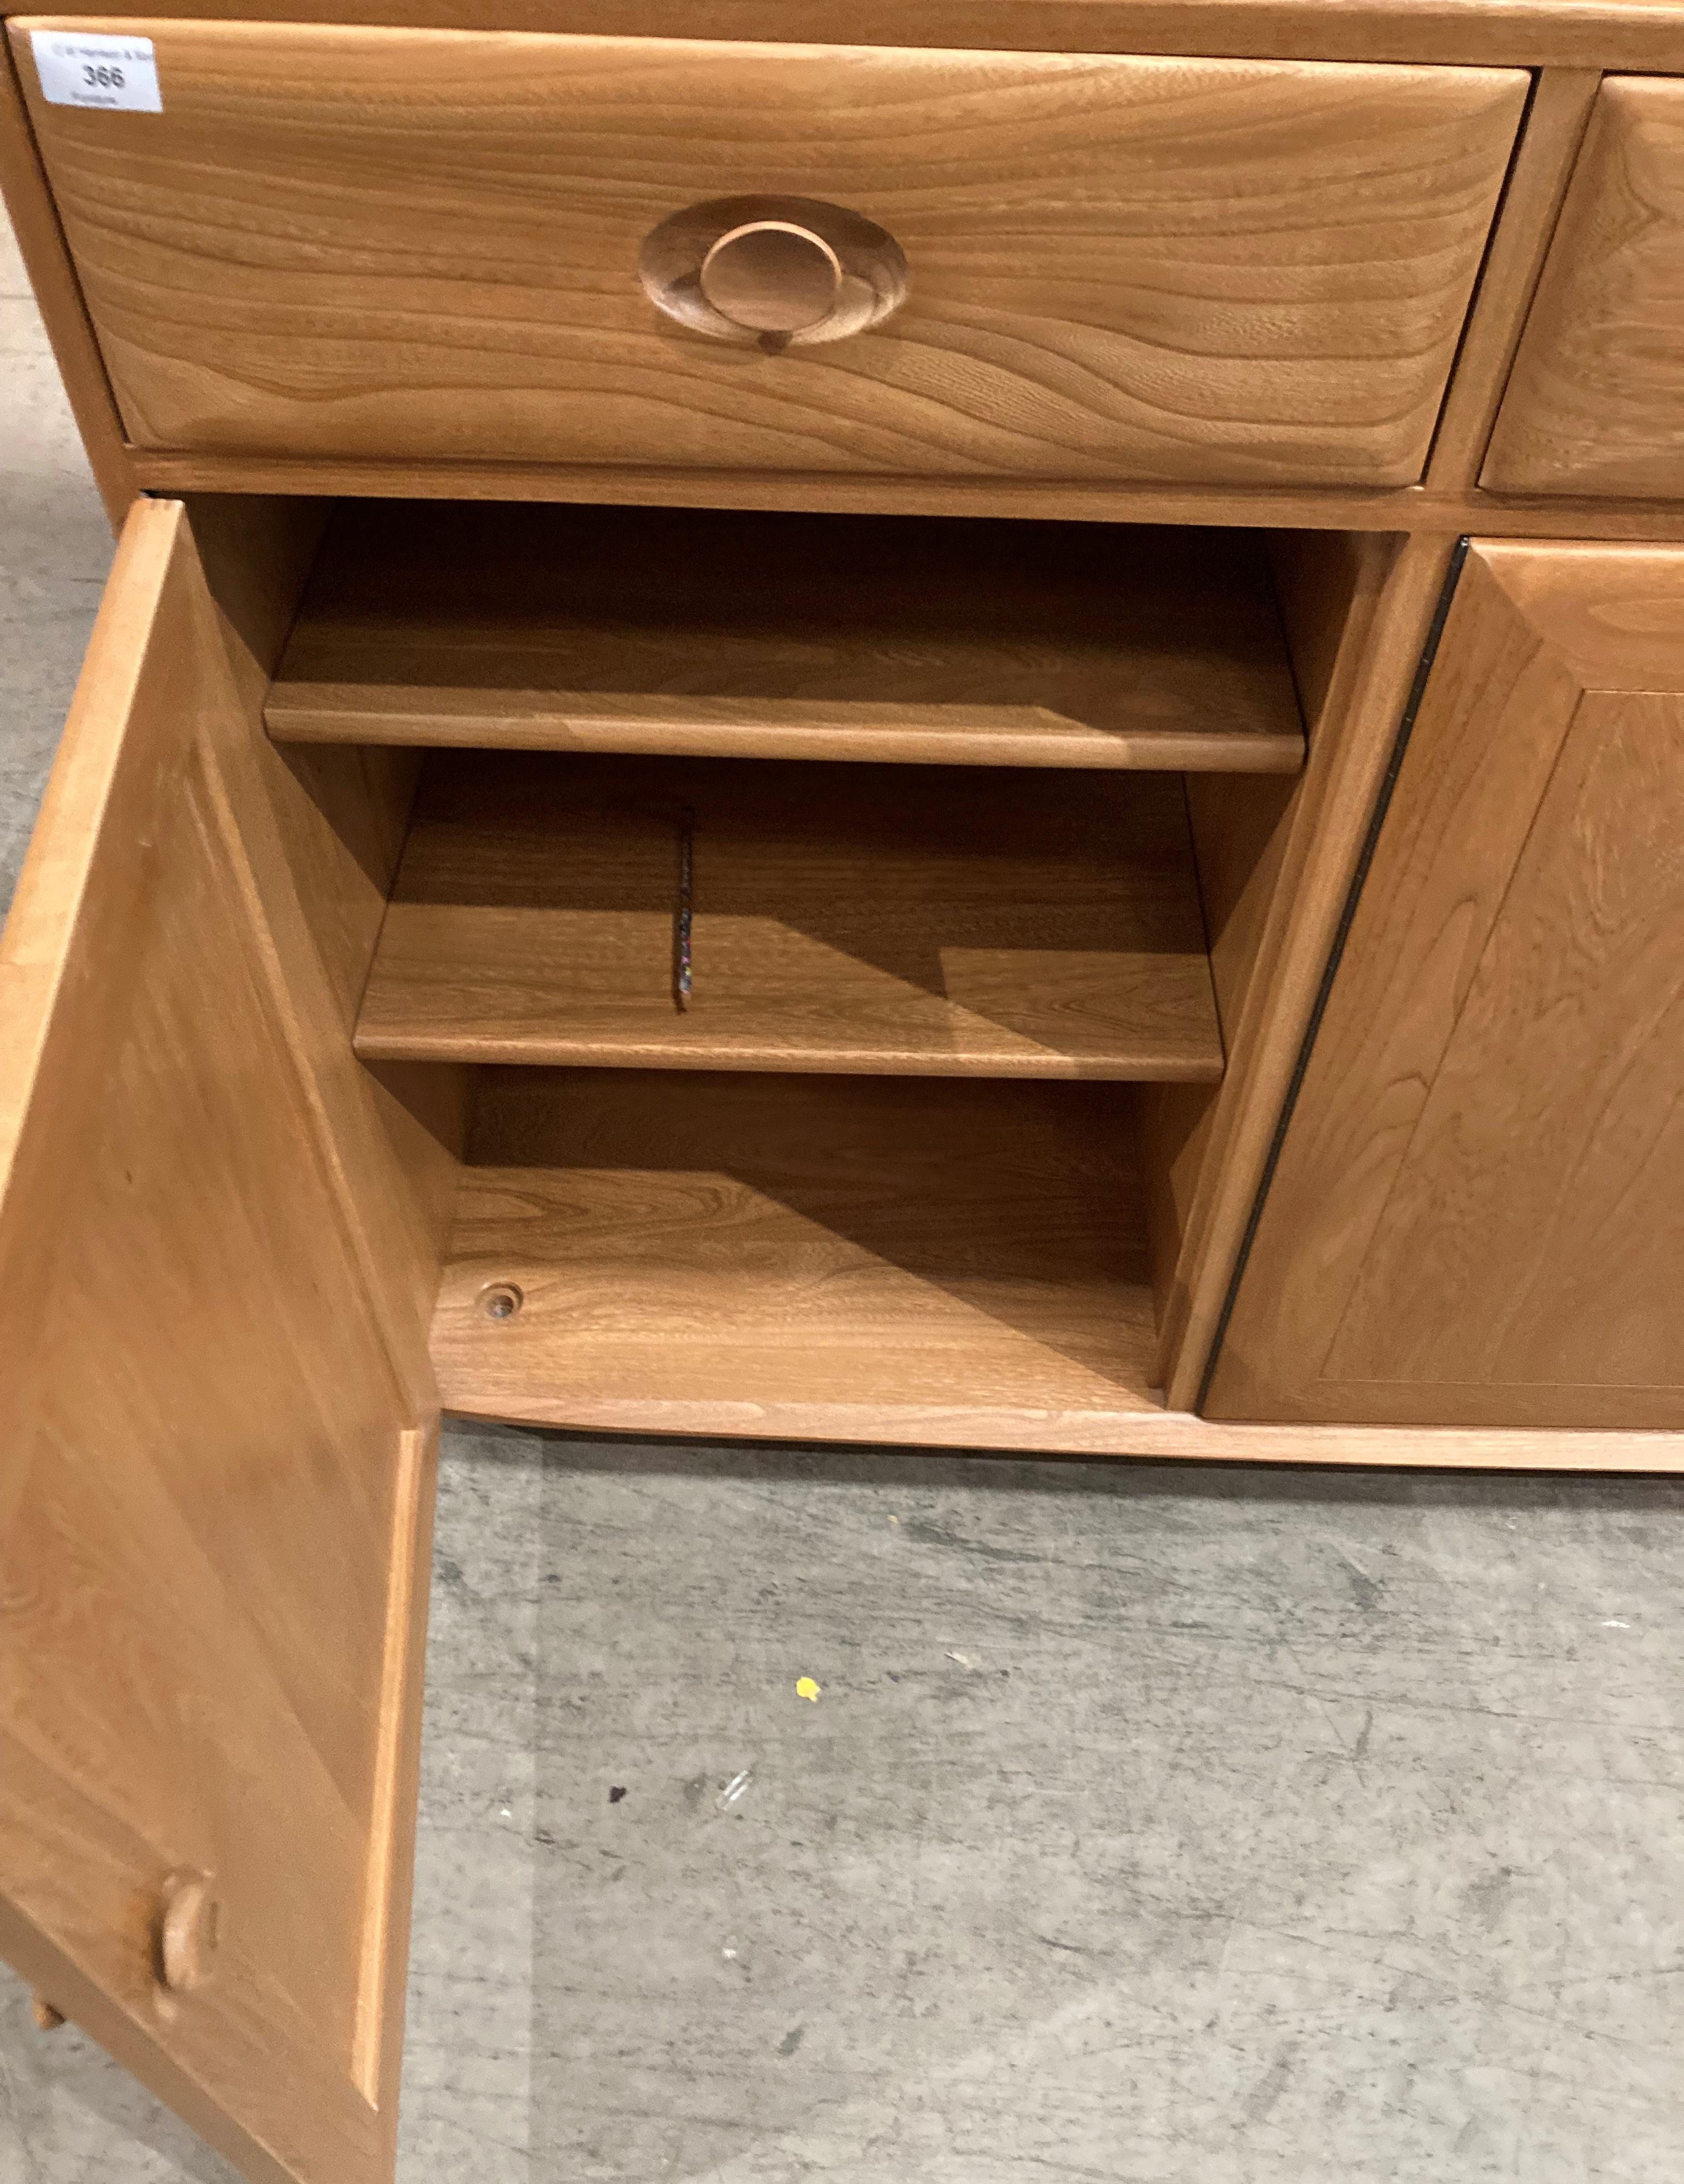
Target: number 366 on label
[(77, 68)]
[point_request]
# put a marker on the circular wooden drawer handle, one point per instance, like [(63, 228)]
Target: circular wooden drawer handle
[(772, 276), (777, 272)]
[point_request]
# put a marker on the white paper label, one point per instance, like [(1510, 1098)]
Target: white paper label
[(77, 68)]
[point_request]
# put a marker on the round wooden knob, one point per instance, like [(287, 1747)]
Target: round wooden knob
[(772, 273), (188, 1936), (772, 276)]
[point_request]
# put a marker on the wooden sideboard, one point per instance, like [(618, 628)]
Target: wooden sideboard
[(957, 724)]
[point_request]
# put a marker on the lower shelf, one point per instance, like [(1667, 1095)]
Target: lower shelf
[(692, 1252), (906, 919)]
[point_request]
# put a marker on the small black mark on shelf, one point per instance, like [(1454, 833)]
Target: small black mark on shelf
[(791, 2040), (617, 1793), (682, 968)]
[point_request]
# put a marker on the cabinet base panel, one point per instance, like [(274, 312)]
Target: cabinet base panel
[(1154, 1436), (945, 1263), (719, 1243)]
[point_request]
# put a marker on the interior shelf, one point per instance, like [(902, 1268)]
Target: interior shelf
[(915, 640), (905, 920), (695, 1252)]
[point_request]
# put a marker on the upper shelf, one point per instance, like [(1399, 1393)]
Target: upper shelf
[(923, 640)]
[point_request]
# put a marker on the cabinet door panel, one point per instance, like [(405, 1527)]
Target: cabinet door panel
[(1477, 1217), (213, 1482)]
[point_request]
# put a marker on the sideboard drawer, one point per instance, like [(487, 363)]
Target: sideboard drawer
[(425, 246), (1593, 403)]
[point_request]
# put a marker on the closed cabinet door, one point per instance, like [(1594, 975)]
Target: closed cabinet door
[(302, 240), (213, 1445), (1476, 1216)]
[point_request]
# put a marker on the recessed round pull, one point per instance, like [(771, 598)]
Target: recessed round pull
[(772, 276), (779, 272), (188, 1932)]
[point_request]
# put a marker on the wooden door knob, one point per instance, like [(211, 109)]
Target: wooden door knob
[(188, 1932), (772, 276)]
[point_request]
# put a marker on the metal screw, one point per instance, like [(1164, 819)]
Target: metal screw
[(502, 1300)]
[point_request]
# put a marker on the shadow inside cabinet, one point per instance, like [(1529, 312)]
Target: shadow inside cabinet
[(796, 961)]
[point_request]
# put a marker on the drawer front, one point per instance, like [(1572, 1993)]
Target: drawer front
[(427, 246), (1596, 401)]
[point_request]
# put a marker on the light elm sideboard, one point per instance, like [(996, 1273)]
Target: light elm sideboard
[(958, 723)]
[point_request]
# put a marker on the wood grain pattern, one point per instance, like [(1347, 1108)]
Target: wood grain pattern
[(1181, 1436), (423, 1112), (1327, 585), (344, 813), (1476, 1216), (738, 1240), (1123, 268), (919, 921), (1322, 581), (1594, 402), (200, 1502), (1175, 1122), (1395, 509), (1554, 128), (1356, 689), (41, 244), (1240, 830), (322, 834), (717, 635), (802, 1259), (1564, 1066), (377, 2039), (1614, 615), (1606, 34)]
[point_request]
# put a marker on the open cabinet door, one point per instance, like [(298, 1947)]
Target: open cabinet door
[(215, 1448)]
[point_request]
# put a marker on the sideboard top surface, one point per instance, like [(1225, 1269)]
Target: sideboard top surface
[(1609, 33)]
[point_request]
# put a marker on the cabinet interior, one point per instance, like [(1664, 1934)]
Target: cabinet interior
[(979, 826)]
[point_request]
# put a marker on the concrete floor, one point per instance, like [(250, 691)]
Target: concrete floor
[(1152, 1824)]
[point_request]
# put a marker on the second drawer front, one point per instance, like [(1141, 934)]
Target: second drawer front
[(425, 246), (1595, 399)]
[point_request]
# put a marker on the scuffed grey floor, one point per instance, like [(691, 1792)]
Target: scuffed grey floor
[(1155, 1826), (1150, 1823)]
